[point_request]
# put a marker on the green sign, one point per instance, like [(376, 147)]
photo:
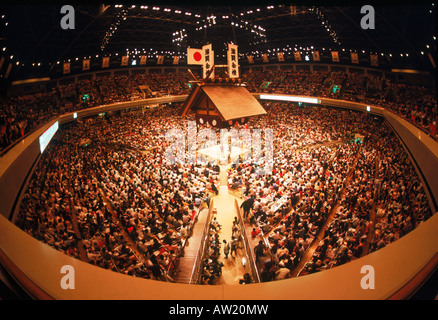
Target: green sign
[(335, 88)]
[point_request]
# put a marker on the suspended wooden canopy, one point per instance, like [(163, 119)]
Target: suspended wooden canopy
[(221, 104)]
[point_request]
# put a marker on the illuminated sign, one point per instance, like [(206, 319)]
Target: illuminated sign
[(48, 135), (368, 108), (289, 98), (75, 115), (265, 84)]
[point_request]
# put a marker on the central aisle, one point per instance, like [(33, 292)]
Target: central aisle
[(233, 268)]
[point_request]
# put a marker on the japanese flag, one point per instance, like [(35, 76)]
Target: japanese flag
[(195, 56)]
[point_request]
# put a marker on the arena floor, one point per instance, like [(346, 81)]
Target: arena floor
[(222, 154)]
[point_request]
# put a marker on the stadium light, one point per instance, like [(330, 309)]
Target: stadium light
[(289, 98), (45, 138)]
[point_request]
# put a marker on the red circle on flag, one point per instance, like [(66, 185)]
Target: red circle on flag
[(197, 56)]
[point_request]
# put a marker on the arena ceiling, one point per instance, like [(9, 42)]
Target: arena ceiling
[(33, 36)]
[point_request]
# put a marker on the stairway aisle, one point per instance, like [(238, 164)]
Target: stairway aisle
[(233, 268), (191, 249)]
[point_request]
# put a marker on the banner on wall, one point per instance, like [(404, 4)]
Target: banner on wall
[(66, 68), (160, 59), (280, 56), (143, 60), (124, 61), (265, 57), (250, 59), (297, 56), (354, 57), (335, 56), (175, 60), (374, 60), (105, 62), (316, 56), (85, 64)]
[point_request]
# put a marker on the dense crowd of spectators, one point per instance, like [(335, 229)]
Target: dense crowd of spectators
[(327, 174), (212, 265), (114, 203), (132, 211), (416, 103), (21, 115), (384, 185)]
